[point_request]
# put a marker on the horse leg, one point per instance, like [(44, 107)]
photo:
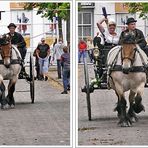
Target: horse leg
[(117, 108), (137, 106), (124, 121), (4, 102), (11, 89), (131, 114)]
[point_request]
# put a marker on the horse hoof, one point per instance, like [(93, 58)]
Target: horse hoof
[(125, 123), (138, 108), (5, 107), (12, 106), (134, 119)]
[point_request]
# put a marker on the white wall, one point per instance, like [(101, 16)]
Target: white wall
[(5, 16), (38, 28), (110, 8)]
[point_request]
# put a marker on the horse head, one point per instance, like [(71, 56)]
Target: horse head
[(5, 46), (128, 51)]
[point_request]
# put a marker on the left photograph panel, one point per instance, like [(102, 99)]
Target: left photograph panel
[(35, 73)]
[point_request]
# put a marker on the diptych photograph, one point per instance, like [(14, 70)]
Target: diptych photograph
[(73, 74)]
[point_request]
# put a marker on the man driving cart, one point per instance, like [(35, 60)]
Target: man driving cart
[(18, 40)]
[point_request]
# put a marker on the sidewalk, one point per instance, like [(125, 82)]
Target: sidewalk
[(53, 78)]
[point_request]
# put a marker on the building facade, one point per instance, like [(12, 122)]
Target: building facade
[(32, 26), (89, 14)]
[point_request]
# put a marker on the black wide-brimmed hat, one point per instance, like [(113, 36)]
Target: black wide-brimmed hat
[(130, 20), (11, 25)]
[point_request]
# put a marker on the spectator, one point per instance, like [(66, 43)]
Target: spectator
[(65, 62), (43, 51), (58, 51), (51, 53), (90, 48), (37, 66), (82, 46)]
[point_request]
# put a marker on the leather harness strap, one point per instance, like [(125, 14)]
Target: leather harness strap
[(14, 61), (132, 69)]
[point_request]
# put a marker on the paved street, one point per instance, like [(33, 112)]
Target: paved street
[(46, 122), (103, 129)]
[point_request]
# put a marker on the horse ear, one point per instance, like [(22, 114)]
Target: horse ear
[(8, 38)]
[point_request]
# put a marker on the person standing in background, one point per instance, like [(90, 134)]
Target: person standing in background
[(42, 52), (65, 62), (82, 46), (90, 48), (58, 51)]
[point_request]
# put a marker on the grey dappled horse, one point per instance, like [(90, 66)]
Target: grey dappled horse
[(10, 67), (127, 65)]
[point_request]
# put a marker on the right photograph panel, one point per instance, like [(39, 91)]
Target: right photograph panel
[(112, 73)]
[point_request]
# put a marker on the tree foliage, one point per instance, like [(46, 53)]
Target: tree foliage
[(49, 10), (139, 7)]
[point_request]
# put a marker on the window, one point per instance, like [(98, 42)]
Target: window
[(22, 19), (84, 25)]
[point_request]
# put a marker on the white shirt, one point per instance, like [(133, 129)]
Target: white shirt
[(111, 38), (58, 50)]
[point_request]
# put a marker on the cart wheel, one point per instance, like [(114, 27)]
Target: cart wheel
[(32, 79), (87, 88)]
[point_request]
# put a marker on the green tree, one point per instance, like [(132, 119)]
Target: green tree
[(139, 7), (49, 11)]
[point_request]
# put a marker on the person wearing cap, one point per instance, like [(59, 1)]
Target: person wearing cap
[(17, 40), (43, 52), (111, 38), (139, 37)]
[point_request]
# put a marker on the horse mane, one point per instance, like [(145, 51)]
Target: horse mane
[(144, 56), (17, 51), (112, 54)]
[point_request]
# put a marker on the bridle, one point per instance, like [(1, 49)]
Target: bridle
[(9, 55), (132, 59)]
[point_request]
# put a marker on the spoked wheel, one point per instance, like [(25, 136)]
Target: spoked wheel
[(32, 78), (87, 88)]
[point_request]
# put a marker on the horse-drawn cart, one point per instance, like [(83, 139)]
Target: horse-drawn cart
[(12, 68), (30, 77), (100, 70)]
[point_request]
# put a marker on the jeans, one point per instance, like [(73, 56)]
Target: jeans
[(66, 78), (43, 63), (59, 68), (81, 53)]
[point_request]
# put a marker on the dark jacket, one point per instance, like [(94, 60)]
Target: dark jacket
[(140, 40), (17, 39)]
